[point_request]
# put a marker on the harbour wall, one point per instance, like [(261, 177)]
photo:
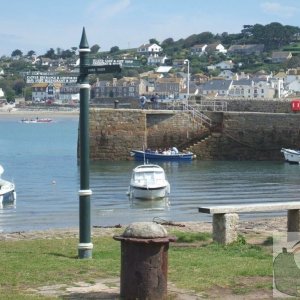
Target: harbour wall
[(238, 136), (115, 132), (250, 136)]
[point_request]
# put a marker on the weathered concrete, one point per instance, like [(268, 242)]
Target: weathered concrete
[(225, 217), (293, 220), (225, 228), (145, 230)]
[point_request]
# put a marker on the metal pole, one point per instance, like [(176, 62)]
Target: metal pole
[(186, 61), (85, 246)]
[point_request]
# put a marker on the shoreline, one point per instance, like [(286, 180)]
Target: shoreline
[(33, 113), (258, 228)]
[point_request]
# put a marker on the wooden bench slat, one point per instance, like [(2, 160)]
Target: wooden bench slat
[(253, 207)]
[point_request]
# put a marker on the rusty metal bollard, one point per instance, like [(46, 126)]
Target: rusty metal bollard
[(144, 261)]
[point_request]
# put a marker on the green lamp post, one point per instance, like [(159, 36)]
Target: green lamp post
[(85, 245)]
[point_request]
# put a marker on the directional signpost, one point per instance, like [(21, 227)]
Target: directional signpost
[(85, 245)]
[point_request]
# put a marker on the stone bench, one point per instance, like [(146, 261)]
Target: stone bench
[(225, 217)]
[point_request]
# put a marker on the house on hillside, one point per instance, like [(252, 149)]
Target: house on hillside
[(246, 49), (198, 49), (223, 65), (156, 60), (168, 87), (281, 56), (252, 88), (149, 49), (215, 48), (45, 91), (122, 88), (216, 87), (292, 74)]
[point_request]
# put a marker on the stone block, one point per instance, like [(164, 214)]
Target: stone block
[(293, 220), (225, 228)]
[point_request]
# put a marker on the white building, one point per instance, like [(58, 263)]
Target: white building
[(149, 49)]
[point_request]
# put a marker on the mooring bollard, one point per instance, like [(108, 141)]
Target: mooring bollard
[(144, 261), (116, 104)]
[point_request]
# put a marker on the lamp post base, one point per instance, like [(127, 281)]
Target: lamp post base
[(85, 250)]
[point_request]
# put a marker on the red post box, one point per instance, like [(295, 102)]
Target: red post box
[(295, 105)]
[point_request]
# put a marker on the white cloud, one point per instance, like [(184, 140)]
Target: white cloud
[(279, 9)]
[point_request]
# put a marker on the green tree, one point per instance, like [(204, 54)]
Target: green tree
[(30, 53), (50, 54), (95, 48), (16, 52), (10, 95), (114, 49), (153, 41)]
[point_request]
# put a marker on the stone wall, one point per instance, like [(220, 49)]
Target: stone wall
[(239, 136), (251, 136), (115, 132)]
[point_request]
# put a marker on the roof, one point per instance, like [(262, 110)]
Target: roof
[(216, 85), (163, 69)]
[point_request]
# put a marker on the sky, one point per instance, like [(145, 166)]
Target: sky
[(39, 25)]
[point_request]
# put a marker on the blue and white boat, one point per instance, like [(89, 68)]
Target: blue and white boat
[(7, 191), (168, 155)]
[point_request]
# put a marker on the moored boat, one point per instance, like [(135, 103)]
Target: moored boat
[(148, 181), (7, 190), (167, 155), (37, 120), (291, 156)]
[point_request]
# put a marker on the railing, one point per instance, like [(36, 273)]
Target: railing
[(197, 114)]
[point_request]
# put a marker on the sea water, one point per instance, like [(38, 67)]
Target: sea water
[(41, 160)]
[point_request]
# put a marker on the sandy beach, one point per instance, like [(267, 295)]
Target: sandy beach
[(8, 111)]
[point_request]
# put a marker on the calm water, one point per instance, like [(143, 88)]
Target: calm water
[(41, 160)]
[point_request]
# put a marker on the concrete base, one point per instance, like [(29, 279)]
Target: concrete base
[(225, 228)]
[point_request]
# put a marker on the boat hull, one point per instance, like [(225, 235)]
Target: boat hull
[(291, 156), (7, 193), (141, 155), (148, 194)]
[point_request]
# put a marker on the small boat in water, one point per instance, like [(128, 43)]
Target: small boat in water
[(167, 155), (7, 190), (148, 182), (291, 156), (37, 120)]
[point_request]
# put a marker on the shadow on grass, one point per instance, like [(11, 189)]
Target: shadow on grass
[(62, 255)]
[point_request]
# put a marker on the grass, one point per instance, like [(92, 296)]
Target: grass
[(29, 264)]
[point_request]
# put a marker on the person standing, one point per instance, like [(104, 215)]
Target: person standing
[(142, 101)]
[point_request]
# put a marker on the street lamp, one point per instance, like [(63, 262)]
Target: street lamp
[(187, 62)]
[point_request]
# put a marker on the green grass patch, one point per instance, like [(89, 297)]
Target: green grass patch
[(29, 264), (191, 237)]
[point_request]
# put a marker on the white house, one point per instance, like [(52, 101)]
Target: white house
[(1, 93), (149, 49), (215, 48), (252, 88), (198, 49), (156, 60)]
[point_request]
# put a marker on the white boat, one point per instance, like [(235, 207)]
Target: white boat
[(36, 120), (291, 156), (148, 181), (7, 190)]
